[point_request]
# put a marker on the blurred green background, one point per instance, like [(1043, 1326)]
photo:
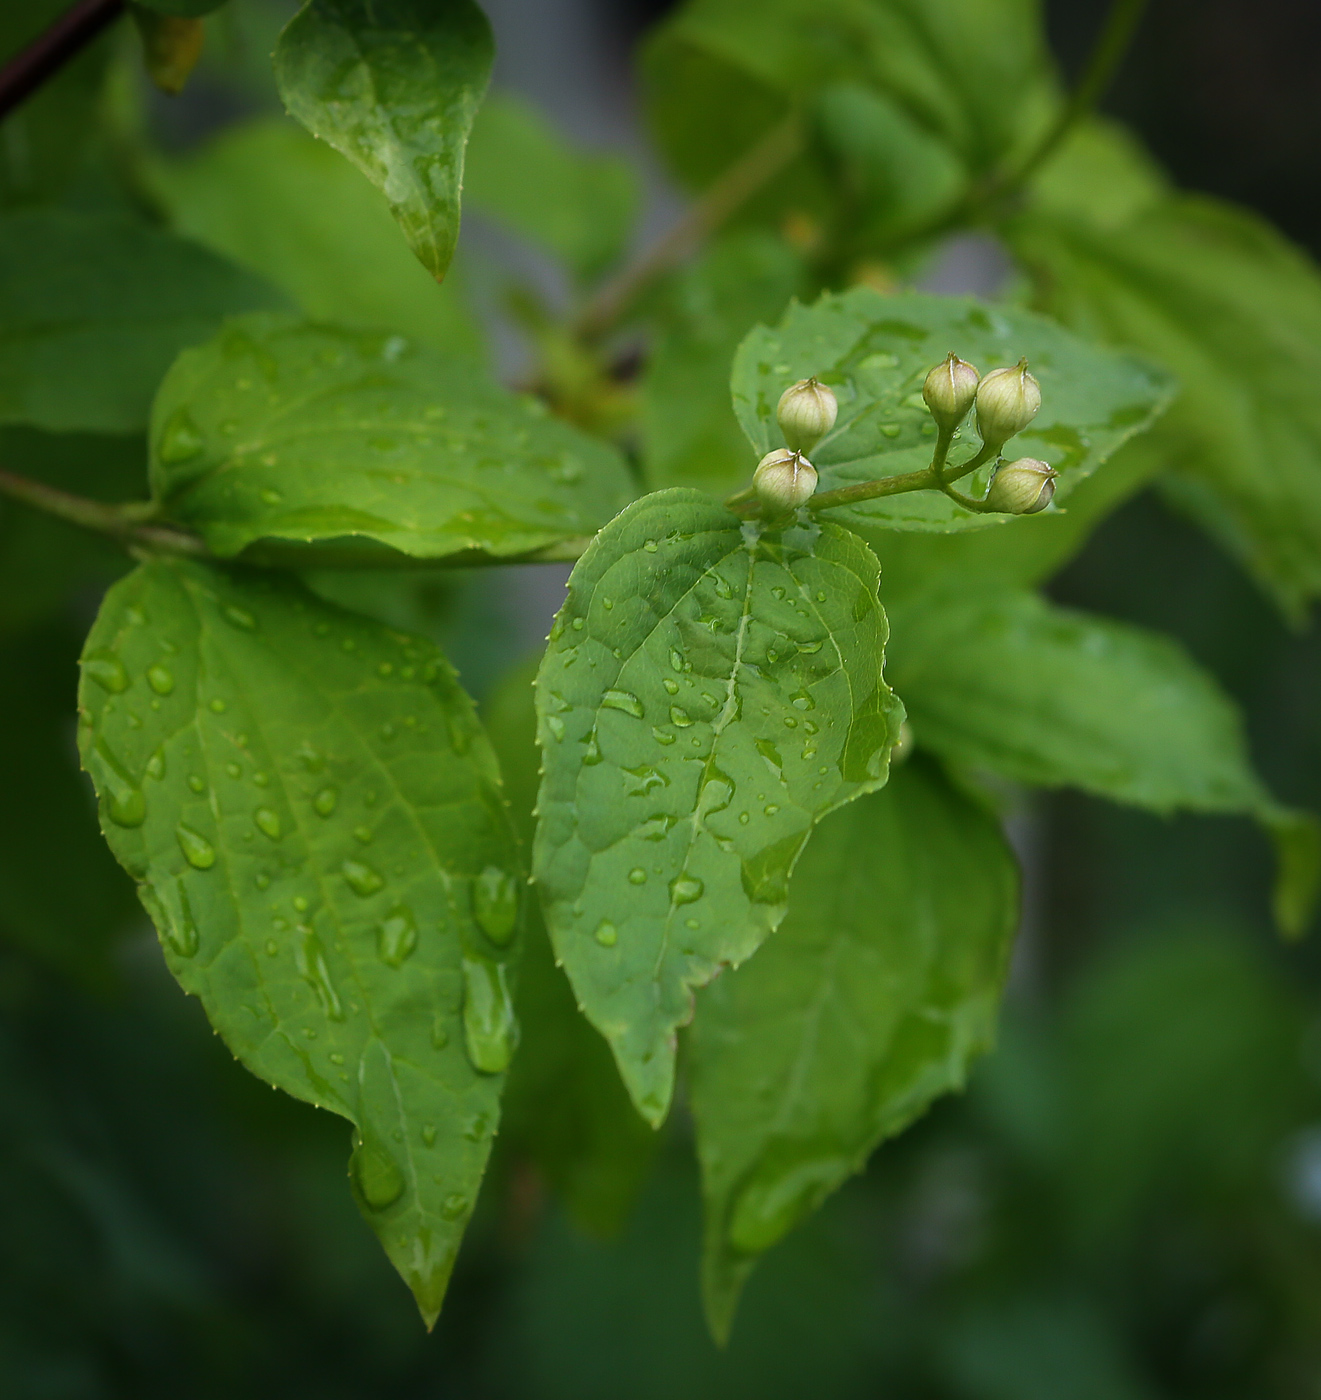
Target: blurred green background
[(1125, 1205)]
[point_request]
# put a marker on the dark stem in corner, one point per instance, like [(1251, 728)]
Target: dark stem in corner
[(50, 51)]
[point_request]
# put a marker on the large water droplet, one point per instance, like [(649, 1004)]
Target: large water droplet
[(490, 1031), (607, 935), (268, 822), (495, 904), (181, 439), (679, 717), (397, 936), (380, 1182), (648, 778), (362, 878), (197, 850), (637, 876), (310, 957), (686, 889), (125, 804), (324, 802), (160, 679), (622, 700), (107, 670)]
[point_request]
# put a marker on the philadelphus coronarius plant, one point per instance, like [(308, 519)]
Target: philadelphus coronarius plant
[(1007, 401), (783, 481), (949, 390), (1022, 488)]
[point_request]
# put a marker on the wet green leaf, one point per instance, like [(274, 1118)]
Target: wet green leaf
[(1235, 311), (311, 809), (874, 351), (579, 205), (709, 693), (92, 310), (870, 1001), (368, 447), (394, 85), (565, 1106), (1004, 681), (265, 194)]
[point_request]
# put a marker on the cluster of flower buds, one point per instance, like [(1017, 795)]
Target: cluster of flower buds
[(1007, 399), (785, 479)]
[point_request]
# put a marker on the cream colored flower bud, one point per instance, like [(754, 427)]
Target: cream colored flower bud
[(1022, 487), (806, 413), (783, 481), (1007, 401), (949, 391)]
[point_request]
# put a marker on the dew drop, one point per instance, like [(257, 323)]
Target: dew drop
[(268, 822), (650, 546), (607, 935), (107, 670), (270, 497), (622, 700), (197, 782), (495, 904), (397, 936), (490, 1030), (197, 850), (679, 717), (233, 770), (241, 618), (429, 1134), (311, 959), (160, 679), (663, 736), (272, 948), (671, 686), (556, 727), (363, 835), (362, 878), (324, 802), (156, 765), (218, 707), (686, 889), (772, 808), (648, 778), (181, 931), (181, 439), (637, 876), (300, 903), (380, 1182), (440, 1037), (454, 1206), (723, 588)]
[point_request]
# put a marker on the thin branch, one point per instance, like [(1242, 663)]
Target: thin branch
[(123, 523), (739, 183), (51, 50)]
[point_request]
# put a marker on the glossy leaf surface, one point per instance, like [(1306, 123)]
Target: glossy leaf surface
[(871, 999), (315, 821), (874, 352), (367, 446), (394, 85), (1005, 681), (708, 694), (93, 309)]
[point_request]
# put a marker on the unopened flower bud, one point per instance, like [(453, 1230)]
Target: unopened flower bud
[(1007, 401), (949, 391), (806, 413), (783, 481), (1022, 487)]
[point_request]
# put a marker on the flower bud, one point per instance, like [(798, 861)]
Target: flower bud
[(806, 413), (949, 391), (1022, 487), (1007, 401), (783, 481)]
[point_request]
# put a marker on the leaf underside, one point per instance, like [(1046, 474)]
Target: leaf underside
[(708, 694), (315, 822)]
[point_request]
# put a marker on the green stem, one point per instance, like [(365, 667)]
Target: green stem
[(738, 184), (932, 478), (126, 523)]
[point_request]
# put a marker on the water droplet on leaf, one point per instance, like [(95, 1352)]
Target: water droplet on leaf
[(495, 904), (490, 1031)]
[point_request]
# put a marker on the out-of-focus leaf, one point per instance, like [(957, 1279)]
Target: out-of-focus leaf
[(92, 311), (522, 172), (394, 85), (874, 351), (565, 1106), (709, 693), (171, 46), (1235, 311), (62, 898), (369, 448), (1002, 680), (315, 820), (185, 9), (870, 1001), (690, 436), (267, 195), (44, 559)]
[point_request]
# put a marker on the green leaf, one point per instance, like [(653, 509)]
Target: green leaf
[(523, 173), (185, 9), (564, 1104), (394, 85), (1222, 299), (267, 195), (1002, 680), (369, 448), (315, 821), (876, 992), (708, 695), (690, 436), (874, 351), (93, 309)]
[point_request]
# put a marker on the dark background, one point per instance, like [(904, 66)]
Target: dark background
[(1126, 1205)]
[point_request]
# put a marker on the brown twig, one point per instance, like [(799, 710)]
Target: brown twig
[(51, 50)]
